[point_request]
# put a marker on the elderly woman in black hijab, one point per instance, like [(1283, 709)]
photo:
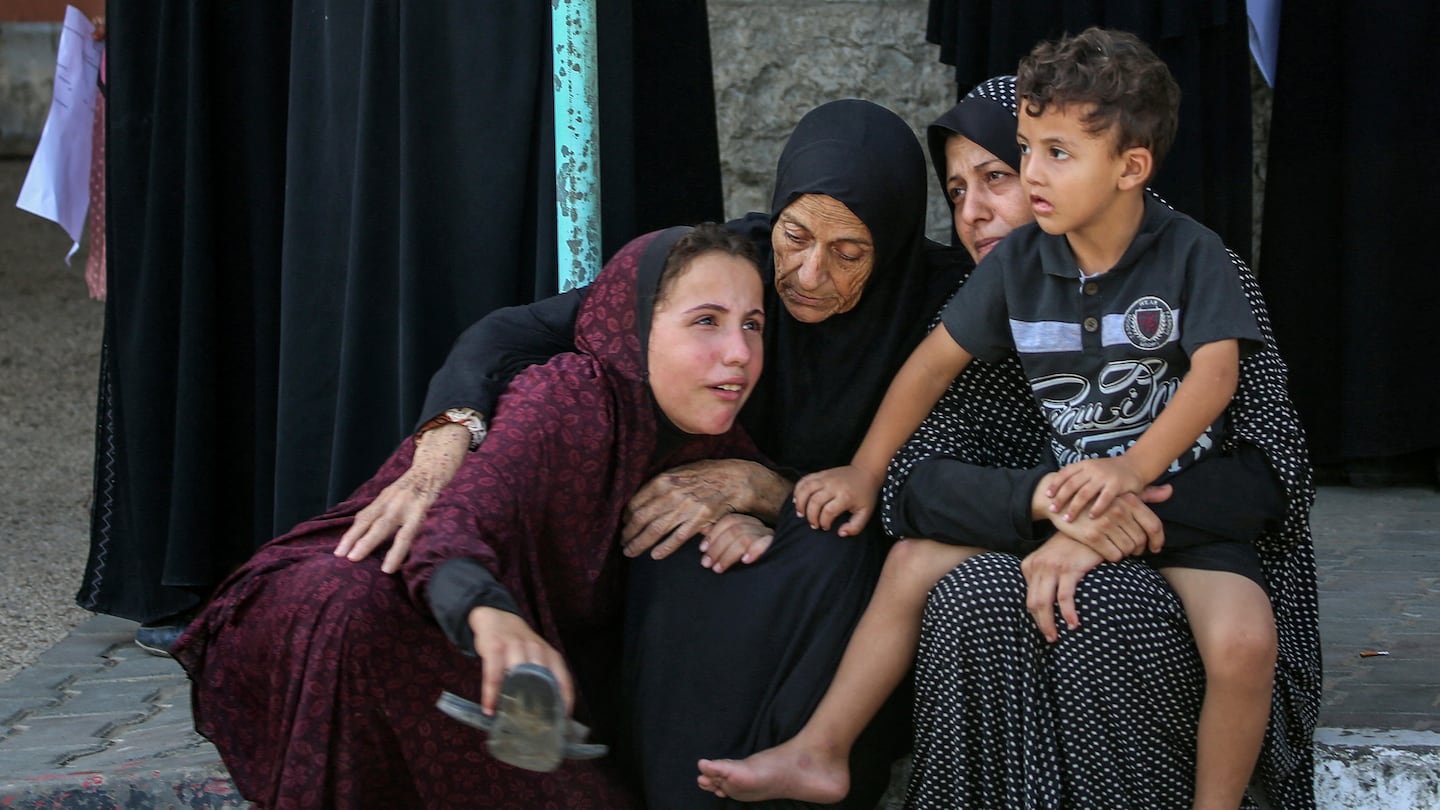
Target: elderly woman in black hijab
[(733, 664)]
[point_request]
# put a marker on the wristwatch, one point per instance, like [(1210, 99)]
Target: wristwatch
[(470, 418)]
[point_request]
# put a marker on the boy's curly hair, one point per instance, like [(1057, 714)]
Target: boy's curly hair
[(1123, 82)]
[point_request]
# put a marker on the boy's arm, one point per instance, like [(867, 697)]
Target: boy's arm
[(822, 497), (1202, 396)]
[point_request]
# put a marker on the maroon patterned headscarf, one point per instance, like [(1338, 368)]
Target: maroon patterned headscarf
[(539, 503)]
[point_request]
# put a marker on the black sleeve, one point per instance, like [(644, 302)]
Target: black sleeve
[(1231, 497), (496, 348), (1225, 497), (948, 500), (457, 587)]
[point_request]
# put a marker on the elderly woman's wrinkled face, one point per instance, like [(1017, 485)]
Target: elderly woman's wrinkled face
[(823, 256), (989, 199)]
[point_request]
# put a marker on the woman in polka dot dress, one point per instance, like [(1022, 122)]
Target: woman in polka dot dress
[(1106, 716)]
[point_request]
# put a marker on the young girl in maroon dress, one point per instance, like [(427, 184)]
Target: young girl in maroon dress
[(317, 677)]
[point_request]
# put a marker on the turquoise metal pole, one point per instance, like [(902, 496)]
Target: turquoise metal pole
[(577, 142)]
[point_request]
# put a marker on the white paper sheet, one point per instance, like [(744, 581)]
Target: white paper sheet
[(1264, 16), (57, 186)]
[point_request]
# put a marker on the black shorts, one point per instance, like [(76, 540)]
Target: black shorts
[(1219, 507)]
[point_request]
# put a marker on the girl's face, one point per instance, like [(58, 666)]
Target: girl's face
[(989, 199), (705, 351)]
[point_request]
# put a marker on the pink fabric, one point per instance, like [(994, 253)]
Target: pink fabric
[(95, 262)]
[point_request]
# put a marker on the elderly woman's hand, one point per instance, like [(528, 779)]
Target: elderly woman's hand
[(400, 508), (504, 641), (734, 538), (1051, 574), (693, 498)]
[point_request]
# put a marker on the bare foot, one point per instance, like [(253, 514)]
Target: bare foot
[(787, 771)]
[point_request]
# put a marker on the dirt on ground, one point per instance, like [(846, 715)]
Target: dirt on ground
[(49, 368)]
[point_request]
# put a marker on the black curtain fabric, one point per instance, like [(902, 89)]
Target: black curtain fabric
[(1205, 43), (309, 201), (1346, 229)]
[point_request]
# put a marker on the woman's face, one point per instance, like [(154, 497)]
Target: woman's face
[(823, 256), (989, 199), (705, 352)]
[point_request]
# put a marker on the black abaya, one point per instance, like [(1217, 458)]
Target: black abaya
[(1208, 172), (1347, 264), (196, 159), (306, 209)]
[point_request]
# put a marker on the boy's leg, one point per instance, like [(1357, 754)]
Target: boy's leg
[(1234, 628), (813, 765)]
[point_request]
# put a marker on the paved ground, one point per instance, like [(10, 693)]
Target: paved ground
[(1378, 554), (89, 721)]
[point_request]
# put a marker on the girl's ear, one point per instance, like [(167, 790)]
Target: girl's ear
[(1137, 163)]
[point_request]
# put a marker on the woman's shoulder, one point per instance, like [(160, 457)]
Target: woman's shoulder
[(567, 382)]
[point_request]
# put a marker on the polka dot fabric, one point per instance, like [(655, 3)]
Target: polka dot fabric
[(1000, 89), (1264, 416), (1105, 717)]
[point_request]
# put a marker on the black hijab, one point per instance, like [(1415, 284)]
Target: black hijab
[(824, 381), (987, 116)]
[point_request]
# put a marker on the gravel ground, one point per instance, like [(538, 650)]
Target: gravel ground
[(49, 366)]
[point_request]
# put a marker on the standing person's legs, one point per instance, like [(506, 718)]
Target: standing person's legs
[(814, 765), (1234, 628)]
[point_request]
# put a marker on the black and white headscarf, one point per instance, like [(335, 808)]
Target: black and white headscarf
[(986, 116)]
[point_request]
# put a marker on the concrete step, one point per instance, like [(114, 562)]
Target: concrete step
[(1376, 768)]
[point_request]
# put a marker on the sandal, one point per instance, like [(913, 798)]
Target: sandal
[(529, 728)]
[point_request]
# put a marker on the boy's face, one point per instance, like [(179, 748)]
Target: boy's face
[(1072, 177)]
